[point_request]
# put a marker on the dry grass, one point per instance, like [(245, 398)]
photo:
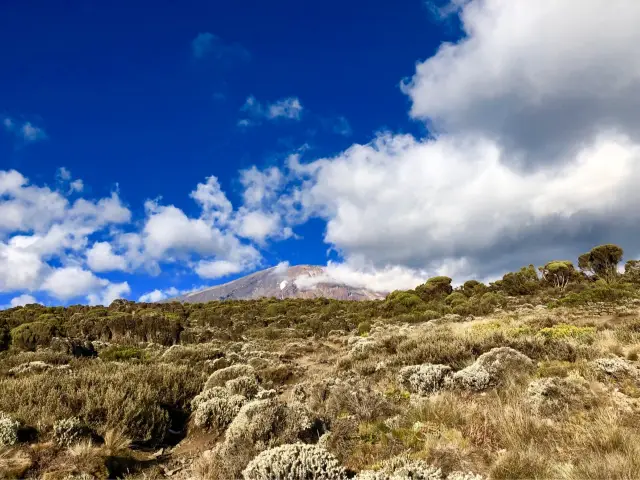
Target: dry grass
[(355, 394), (134, 398)]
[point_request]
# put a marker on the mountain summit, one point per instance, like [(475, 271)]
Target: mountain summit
[(301, 281)]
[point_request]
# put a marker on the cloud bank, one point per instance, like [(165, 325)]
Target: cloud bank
[(533, 154)]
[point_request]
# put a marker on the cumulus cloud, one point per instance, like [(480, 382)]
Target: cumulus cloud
[(51, 244), (533, 152), (289, 108), (109, 293), (218, 268), (22, 300), (213, 201), (66, 283), (101, 258), (159, 295), (207, 44), (539, 78)]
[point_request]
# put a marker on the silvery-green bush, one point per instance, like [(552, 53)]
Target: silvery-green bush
[(295, 462), (404, 468), (8, 430), (217, 411), (68, 431), (245, 385), (222, 376), (492, 368), (424, 379)]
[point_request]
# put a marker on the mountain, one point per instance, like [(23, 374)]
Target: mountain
[(301, 281)]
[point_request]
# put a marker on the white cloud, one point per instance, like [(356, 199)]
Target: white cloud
[(289, 108), (32, 133), (168, 231), (76, 186), (27, 131), (22, 300), (159, 295), (341, 126), (218, 268), (286, 108), (534, 155), (71, 282), (214, 203), (379, 280), (207, 44), (257, 225), (110, 292), (534, 77), (101, 258)]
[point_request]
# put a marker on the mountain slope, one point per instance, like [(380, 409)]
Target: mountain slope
[(301, 281)]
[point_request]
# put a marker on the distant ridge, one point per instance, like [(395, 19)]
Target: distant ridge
[(281, 282)]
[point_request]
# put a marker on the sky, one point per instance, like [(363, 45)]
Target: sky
[(152, 148)]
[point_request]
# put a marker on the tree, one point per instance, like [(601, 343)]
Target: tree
[(632, 270), (523, 282), (435, 288), (558, 273), (602, 261)]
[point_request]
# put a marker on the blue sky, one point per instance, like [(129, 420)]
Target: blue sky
[(141, 102)]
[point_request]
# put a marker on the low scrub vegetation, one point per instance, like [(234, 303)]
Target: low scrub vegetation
[(535, 375)]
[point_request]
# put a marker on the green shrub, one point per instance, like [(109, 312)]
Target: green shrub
[(364, 328), (455, 298), (28, 336), (523, 282), (598, 293), (120, 353), (434, 288), (564, 330)]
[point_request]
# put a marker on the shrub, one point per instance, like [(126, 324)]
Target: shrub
[(456, 298), (68, 431), (554, 396), (523, 282), (424, 379), (564, 330), (75, 347), (122, 353), (597, 293), (221, 377), (364, 328), (247, 386), (295, 462), (8, 430), (137, 399), (434, 288), (31, 335), (5, 337), (401, 468), (216, 412), (492, 369)]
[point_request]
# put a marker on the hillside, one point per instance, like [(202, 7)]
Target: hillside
[(536, 375), (280, 283)]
